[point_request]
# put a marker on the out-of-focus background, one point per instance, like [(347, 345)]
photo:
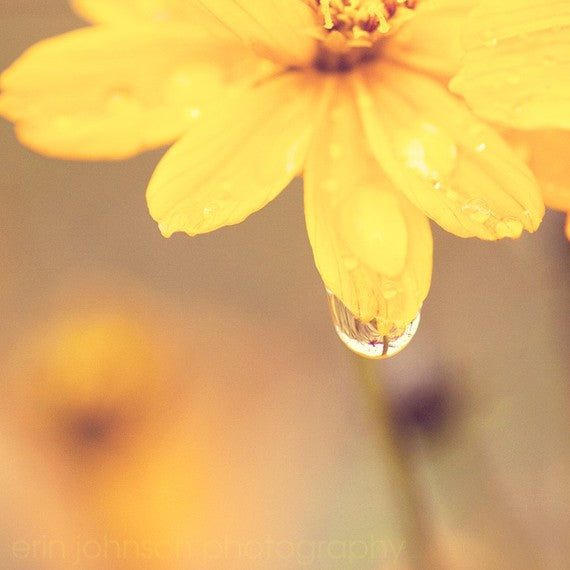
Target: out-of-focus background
[(185, 403)]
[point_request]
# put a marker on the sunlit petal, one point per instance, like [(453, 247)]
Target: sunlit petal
[(235, 158), (448, 163), (279, 29), (517, 66), (112, 92), (371, 246), (431, 40)]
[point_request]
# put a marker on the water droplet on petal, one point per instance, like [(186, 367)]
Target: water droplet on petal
[(427, 150), (209, 209), (163, 229), (175, 223), (489, 39), (364, 338), (389, 289), (452, 195), (509, 227), (480, 147), (193, 113), (477, 210)]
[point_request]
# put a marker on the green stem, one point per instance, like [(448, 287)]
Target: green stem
[(395, 450)]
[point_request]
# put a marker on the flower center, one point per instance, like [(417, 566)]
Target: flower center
[(353, 29)]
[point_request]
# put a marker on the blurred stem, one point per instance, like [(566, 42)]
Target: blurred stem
[(394, 451)]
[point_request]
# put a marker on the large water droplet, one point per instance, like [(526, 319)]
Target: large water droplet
[(364, 338)]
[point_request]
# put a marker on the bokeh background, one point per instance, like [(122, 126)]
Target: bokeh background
[(185, 403)]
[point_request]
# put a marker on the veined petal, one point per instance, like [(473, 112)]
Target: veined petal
[(517, 65), (448, 163), (277, 29), (546, 152), (236, 157), (107, 92), (431, 41), (372, 248)]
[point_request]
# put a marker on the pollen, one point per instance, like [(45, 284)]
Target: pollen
[(352, 29)]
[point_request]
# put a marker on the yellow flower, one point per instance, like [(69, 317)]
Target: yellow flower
[(351, 93)]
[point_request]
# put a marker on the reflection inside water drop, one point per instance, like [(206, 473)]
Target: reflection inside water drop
[(364, 338)]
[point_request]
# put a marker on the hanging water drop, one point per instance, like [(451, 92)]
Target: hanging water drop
[(364, 338)]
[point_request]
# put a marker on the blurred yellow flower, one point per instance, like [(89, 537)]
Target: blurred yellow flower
[(98, 393), (351, 93)]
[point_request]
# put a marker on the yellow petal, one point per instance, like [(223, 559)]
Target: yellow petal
[(278, 29), (236, 157), (372, 248), (112, 92), (547, 155), (449, 164), (431, 40), (517, 66)]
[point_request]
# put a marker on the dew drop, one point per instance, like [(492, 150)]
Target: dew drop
[(364, 338), (452, 195), (427, 150), (477, 210), (163, 229), (489, 39), (509, 227), (210, 209), (480, 147), (177, 222), (389, 290), (193, 113)]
